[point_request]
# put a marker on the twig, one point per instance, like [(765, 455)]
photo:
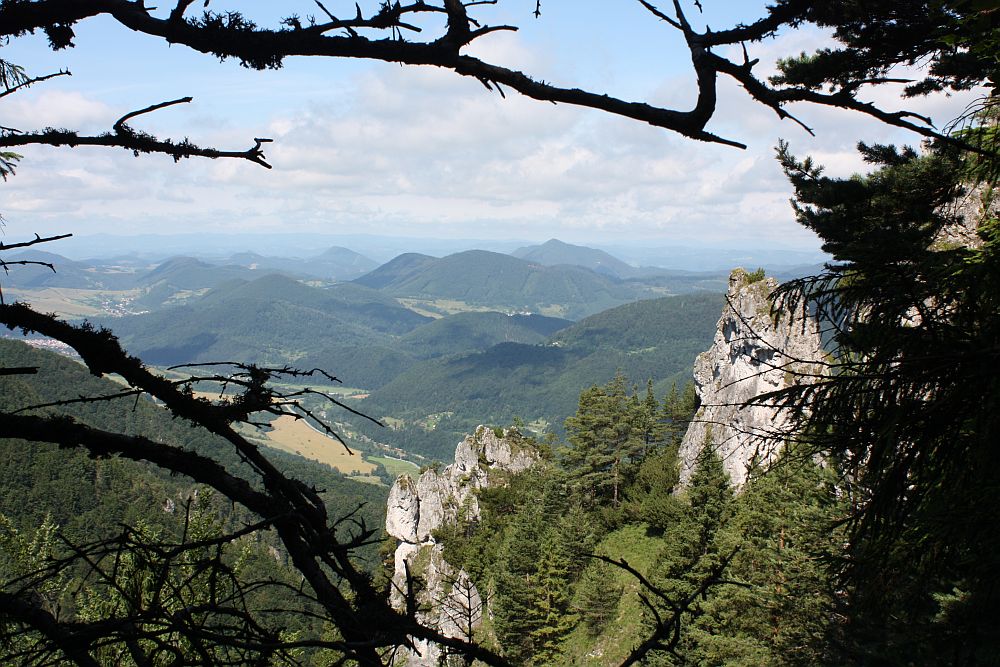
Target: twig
[(119, 125)]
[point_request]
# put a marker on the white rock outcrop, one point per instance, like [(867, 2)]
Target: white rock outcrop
[(753, 353), (418, 508)]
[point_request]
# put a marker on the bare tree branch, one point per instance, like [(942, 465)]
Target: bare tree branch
[(232, 36), (35, 241), (136, 142), (37, 79)]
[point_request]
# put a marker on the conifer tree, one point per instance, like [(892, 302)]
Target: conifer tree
[(604, 442), (697, 544), (537, 565), (677, 411), (779, 606), (650, 423), (910, 412)]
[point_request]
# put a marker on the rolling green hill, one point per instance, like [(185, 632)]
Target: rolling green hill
[(396, 270), (361, 335), (188, 273), (655, 339), (463, 332), (272, 319), (502, 282), (180, 279)]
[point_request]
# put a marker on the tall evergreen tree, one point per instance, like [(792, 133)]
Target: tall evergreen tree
[(604, 442), (536, 567), (677, 412), (781, 604), (696, 545)]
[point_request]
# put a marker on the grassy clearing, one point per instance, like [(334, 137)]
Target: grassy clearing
[(438, 308), (553, 310), (397, 467), (72, 302), (626, 631), (393, 422), (295, 436)]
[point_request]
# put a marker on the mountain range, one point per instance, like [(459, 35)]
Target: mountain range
[(502, 282), (438, 344)]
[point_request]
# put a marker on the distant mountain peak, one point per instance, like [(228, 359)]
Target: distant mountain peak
[(554, 252)]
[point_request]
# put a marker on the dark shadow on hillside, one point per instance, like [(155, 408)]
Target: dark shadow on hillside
[(179, 354)]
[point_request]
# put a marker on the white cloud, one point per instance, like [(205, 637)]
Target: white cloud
[(28, 111), (422, 151)]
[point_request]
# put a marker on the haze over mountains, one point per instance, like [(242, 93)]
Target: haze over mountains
[(218, 247), (434, 345), (555, 279)]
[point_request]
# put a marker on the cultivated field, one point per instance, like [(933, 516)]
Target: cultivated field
[(297, 437), (72, 302)]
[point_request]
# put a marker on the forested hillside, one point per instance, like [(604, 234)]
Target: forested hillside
[(273, 319), (584, 553), (502, 282), (87, 497), (438, 401)]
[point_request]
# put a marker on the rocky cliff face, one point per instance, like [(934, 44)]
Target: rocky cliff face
[(967, 212), (417, 508), (752, 354)]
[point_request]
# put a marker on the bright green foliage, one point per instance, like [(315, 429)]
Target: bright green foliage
[(598, 595)]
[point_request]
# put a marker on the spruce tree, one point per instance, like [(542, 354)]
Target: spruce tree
[(780, 606), (603, 443), (910, 411), (695, 546)]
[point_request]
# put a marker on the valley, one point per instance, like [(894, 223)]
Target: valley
[(431, 346)]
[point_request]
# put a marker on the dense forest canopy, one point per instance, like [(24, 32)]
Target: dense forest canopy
[(917, 466)]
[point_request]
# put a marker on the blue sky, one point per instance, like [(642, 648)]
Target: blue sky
[(364, 147)]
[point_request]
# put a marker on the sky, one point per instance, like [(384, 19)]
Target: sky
[(375, 148)]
